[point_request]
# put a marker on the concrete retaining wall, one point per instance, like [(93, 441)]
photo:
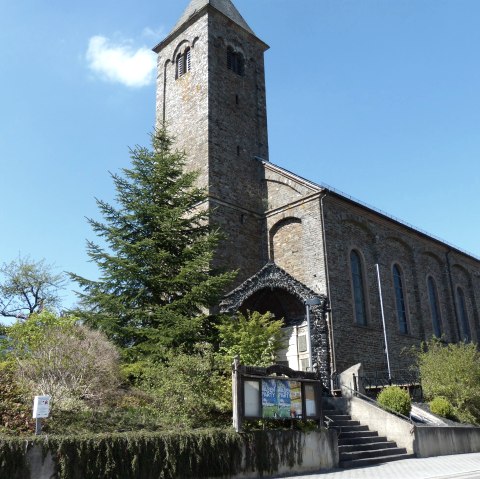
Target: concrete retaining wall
[(387, 424), (264, 454), (442, 441), (423, 441)]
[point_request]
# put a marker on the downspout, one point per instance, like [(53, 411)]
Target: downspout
[(333, 366), (452, 292)]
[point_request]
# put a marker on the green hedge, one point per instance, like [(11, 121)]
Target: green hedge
[(396, 399), (201, 454)]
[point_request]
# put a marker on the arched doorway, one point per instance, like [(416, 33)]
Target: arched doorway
[(286, 306), (274, 290)]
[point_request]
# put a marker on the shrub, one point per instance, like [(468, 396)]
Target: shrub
[(442, 407), (255, 338), (189, 390), (73, 364), (453, 372), (15, 411), (396, 399)]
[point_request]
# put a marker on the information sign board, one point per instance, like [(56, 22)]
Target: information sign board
[(41, 407)]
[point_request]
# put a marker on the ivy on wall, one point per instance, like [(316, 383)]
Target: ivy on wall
[(200, 454)]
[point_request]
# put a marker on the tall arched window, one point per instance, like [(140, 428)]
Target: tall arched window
[(235, 61), (434, 307), (183, 63), (360, 306), (463, 316), (398, 285)]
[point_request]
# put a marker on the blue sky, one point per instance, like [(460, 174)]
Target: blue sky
[(378, 98)]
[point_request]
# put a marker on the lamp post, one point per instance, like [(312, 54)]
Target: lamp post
[(308, 303)]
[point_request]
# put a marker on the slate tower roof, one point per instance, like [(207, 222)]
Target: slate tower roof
[(223, 6)]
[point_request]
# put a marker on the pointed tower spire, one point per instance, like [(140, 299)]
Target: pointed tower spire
[(226, 7)]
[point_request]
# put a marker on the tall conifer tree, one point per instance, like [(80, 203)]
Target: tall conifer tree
[(156, 280)]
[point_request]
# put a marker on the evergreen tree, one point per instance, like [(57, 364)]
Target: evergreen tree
[(156, 282)]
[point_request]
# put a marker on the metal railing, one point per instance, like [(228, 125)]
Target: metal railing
[(374, 403)]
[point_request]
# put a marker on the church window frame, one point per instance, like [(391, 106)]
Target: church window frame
[(435, 311), (235, 61), (183, 63), (463, 319), (400, 299), (359, 289)]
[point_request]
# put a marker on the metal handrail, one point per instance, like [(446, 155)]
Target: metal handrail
[(375, 403)]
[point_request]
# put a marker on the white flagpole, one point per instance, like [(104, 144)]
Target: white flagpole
[(383, 321)]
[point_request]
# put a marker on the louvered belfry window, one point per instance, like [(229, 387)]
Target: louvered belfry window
[(187, 60), (184, 63), (235, 61)]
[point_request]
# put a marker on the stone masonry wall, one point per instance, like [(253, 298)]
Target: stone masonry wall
[(379, 240), (293, 223), (182, 103), (219, 119)]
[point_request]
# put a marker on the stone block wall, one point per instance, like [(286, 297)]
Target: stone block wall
[(378, 239)]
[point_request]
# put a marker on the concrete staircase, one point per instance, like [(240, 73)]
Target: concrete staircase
[(358, 446)]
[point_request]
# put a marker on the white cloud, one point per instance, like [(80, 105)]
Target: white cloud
[(156, 35), (120, 62)]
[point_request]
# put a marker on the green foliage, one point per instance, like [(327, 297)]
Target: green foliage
[(453, 372), (23, 338), (55, 355), (442, 407), (156, 279), (27, 287), (199, 454), (13, 463), (395, 399), (15, 412), (189, 390), (255, 338)]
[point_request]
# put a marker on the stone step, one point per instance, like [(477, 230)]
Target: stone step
[(350, 441), (368, 446), (337, 415), (354, 455), (344, 422), (358, 434), (354, 428), (374, 460)]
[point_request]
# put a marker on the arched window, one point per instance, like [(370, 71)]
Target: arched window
[(235, 61), (183, 63), (358, 286), (398, 285), (434, 307), (463, 316)]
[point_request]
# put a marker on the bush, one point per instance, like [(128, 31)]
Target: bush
[(442, 407), (396, 399), (255, 339), (189, 390), (76, 366), (15, 412), (453, 372)]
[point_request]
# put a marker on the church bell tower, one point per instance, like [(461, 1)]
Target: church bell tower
[(211, 97)]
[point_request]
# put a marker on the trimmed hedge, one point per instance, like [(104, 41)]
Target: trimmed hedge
[(396, 399), (442, 407), (201, 454)]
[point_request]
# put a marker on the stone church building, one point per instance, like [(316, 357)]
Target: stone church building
[(298, 245)]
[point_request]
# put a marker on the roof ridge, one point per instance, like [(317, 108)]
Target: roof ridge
[(223, 6)]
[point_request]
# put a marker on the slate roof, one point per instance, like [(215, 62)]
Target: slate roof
[(224, 6)]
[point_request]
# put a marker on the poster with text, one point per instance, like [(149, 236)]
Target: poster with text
[(269, 398), (296, 399), (283, 399)]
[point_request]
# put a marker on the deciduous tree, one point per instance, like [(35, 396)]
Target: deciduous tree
[(27, 286)]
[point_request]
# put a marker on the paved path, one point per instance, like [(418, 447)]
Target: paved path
[(459, 466)]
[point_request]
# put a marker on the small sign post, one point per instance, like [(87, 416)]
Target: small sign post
[(41, 409)]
